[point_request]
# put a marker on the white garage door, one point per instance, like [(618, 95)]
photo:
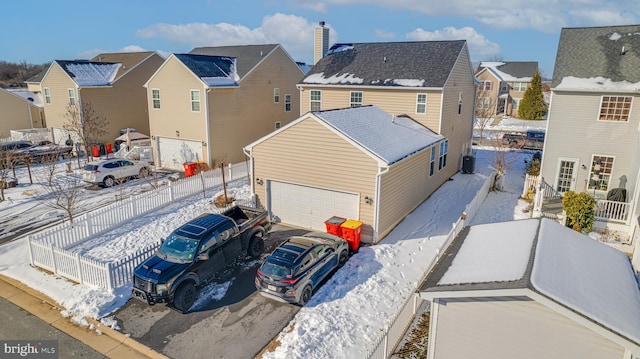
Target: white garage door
[(309, 207), (173, 152)]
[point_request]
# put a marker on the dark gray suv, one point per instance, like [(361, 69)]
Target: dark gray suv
[(295, 269)]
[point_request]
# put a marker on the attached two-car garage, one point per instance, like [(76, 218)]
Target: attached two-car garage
[(174, 152), (307, 206)]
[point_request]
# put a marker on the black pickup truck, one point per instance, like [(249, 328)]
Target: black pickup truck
[(531, 140), (197, 252)]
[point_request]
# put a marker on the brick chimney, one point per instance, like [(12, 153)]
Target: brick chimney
[(321, 42)]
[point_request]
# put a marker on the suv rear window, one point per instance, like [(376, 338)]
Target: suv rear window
[(90, 167), (275, 271)]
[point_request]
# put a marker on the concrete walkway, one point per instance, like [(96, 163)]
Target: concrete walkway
[(111, 343)]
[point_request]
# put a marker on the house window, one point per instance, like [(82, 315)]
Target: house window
[(316, 100), (195, 100), (155, 97), (421, 103), (356, 98), (72, 97), (432, 164), (615, 108), (47, 95), (519, 86), (278, 125), (287, 103), (444, 148), (514, 103), (459, 103), (276, 95), (484, 102), (600, 174), (486, 86)]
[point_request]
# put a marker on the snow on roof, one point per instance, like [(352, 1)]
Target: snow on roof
[(332, 80), (615, 36), (212, 70), (33, 97), (596, 83), (490, 255), (390, 138), (589, 277), (503, 76), (88, 73), (407, 82)]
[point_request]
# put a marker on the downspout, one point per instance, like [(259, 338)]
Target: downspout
[(250, 169), (29, 110), (376, 211), (207, 90)]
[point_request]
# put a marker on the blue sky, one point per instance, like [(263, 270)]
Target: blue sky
[(38, 31)]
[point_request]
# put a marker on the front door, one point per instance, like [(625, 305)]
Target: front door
[(566, 180)]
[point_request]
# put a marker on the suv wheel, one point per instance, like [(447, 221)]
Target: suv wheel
[(256, 246), (342, 259), (109, 181), (144, 172), (186, 295), (306, 295)]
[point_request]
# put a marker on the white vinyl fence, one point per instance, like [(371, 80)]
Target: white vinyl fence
[(49, 249), (392, 335)]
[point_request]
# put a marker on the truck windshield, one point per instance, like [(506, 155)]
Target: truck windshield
[(178, 249)]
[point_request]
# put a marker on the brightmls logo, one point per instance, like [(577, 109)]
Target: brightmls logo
[(40, 349)]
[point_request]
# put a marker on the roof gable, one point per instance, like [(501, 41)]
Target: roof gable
[(391, 64), (513, 71), (90, 73), (577, 272), (598, 58), (129, 60), (212, 70), (247, 56)]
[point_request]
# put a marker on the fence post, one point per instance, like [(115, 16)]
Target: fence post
[(53, 259), (230, 172), (170, 191), (110, 279), (89, 222), (30, 250), (79, 268), (132, 204)]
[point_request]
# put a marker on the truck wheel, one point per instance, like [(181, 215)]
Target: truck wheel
[(144, 172), (256, 246), (186, 295), (306, 295), (342, 259)]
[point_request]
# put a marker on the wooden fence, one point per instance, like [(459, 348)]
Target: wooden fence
[(50, 249)]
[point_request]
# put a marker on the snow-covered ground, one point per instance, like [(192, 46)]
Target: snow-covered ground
[(347, 314)]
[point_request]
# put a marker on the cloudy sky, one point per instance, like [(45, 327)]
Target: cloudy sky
[(38, 31)]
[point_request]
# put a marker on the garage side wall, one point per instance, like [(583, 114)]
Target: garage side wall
[(308, 153), (504, 328), (15, 114), (58, 83), (405, 187)]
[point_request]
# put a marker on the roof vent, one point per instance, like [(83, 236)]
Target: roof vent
[(623, 51), (393, 118), (260, 53), (384, 59)]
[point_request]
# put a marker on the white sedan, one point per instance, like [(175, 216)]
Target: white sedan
[(113, 171)]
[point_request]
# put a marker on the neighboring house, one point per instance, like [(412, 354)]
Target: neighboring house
[(532, 289), (207, 105), (111, 83), (502, 85), (357, 163), (21, 109), (430, 81), (592, 140)]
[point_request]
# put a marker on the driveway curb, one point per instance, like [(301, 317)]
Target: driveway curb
[(112, 344)]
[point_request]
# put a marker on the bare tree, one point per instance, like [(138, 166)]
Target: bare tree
[(503, 156), (64, 192), (485, 110), (89, 125)]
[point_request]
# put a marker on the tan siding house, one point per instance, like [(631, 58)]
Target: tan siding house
[(21, 109), (502, 84), (557, 294), (255, 94), (431, 81), (324, 165), (592, 137), (112, 85)]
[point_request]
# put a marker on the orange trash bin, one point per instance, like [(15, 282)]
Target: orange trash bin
[(95, 151), (109, 149), (333, 225), (351, 230), (189, 169)]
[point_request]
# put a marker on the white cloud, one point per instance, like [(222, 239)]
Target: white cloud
[(295, 33), (479, 46), (89, 54), (541, 15)]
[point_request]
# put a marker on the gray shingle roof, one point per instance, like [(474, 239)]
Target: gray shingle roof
[(588, 52), (248, 56), (517, 68), (413, 64)]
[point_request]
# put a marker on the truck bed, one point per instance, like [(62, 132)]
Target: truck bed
[(245, 216)]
